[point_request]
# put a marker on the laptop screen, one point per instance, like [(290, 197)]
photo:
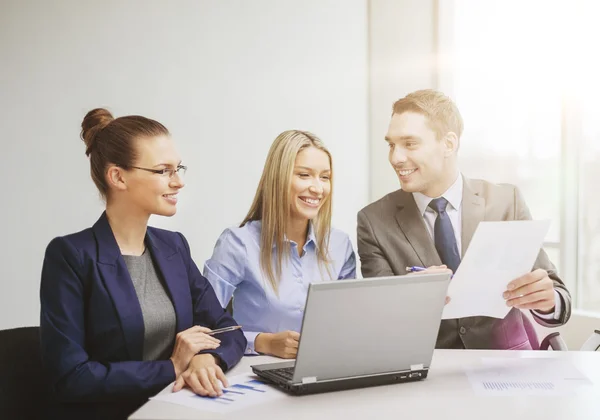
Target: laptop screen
[(370, 326)]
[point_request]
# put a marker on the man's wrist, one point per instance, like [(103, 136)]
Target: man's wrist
[(547, 312)]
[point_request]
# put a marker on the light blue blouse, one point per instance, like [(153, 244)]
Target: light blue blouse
[(234, 270)]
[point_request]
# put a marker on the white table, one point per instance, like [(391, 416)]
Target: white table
[(445, 394)]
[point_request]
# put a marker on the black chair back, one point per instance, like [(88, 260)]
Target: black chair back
[(24, 392)]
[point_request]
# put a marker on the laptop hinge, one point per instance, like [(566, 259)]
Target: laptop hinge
[(416, 367), (309, 379)]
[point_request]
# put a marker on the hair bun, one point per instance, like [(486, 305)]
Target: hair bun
[(93, 122)]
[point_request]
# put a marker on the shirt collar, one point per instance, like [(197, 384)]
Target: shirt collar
[(453, 194), (310, 237)]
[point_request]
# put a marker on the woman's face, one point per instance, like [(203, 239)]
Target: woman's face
[(149, 192), (311, 183)]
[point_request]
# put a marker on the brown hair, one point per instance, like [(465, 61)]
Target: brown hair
[(442, 113), (111, 141)]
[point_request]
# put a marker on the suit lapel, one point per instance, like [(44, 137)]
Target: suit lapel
[(473, 212), (117, 281), (174, 273), (413, 226)]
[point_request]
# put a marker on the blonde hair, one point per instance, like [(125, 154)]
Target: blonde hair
[(271, 203), (442, 113)]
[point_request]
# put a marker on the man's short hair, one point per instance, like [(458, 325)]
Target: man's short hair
[(442, 113)]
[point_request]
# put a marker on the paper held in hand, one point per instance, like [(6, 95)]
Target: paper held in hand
[(498, 253)]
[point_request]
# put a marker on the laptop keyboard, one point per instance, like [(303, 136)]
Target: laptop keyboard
[(285, 373)]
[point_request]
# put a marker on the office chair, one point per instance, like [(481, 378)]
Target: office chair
[(592, 343), (556, 342), (553, 340), (24, 392)]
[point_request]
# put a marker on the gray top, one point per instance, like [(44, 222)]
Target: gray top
[(157, 308)]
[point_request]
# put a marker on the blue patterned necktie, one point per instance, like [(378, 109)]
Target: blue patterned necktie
[(445, 241)]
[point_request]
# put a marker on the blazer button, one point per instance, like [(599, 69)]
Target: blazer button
[(462, 330)]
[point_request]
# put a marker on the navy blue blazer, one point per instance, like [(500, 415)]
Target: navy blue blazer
[(92, 330)]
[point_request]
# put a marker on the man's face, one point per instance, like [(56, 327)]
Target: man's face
[(422, 162)]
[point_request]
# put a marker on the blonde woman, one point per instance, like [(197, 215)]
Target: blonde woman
[(284, 243)]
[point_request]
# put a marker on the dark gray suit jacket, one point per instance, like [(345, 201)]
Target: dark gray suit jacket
[(392, 235)]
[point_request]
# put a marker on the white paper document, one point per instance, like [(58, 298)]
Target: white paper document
[(498, 253), (244, 391), (528, 376)]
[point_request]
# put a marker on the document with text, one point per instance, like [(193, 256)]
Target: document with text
[(528, 376), (498, 253)]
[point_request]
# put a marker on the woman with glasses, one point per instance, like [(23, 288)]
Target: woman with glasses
[(124, 309), (284, 243)]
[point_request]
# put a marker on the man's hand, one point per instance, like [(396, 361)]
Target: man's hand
[(534, 290)]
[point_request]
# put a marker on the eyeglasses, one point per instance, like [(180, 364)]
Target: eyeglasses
[(169, 172)]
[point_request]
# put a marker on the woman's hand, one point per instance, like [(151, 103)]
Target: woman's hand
[(188, 343), (283, 344), (202, 376)]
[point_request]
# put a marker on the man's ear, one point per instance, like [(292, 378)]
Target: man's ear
[(451, 143), (115, 177)]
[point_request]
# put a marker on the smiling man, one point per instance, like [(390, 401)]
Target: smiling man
[(432, 218)]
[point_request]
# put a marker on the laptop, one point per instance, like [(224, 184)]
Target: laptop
[(359, 333)]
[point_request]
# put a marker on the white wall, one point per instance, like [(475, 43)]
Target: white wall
[(224, 76), (402, 59)]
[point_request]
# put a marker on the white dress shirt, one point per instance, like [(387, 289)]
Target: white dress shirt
[(454, 196)]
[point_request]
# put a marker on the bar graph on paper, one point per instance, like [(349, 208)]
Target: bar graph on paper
[(243, 391), (503, 386), (527, 376)]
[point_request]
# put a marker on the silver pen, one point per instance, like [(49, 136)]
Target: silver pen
[(226, 329)]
